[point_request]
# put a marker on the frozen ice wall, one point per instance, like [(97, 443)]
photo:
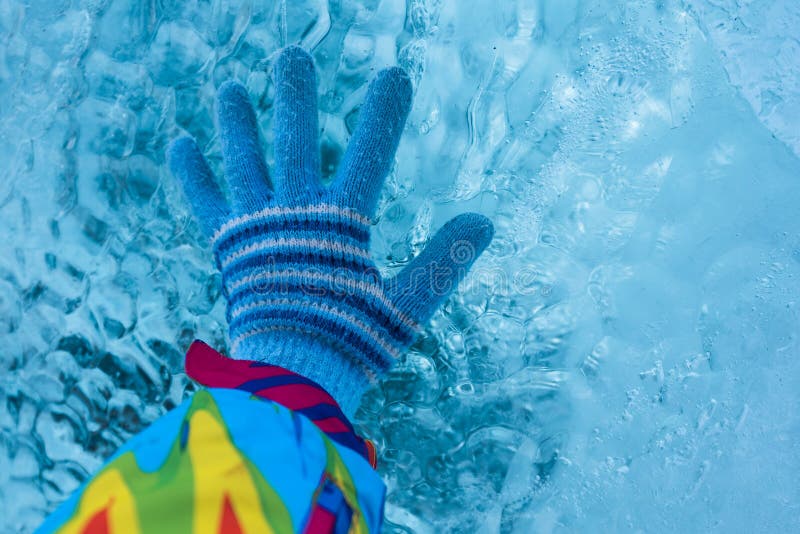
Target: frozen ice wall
[(624, 358)]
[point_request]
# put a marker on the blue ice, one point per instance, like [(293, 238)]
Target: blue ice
[(623, 359)]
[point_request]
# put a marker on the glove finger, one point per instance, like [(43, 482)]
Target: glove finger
[(421, 287), (190, 168), (297, 170), (371, 151), (242, 156)]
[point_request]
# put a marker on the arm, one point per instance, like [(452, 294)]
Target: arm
[(268, 446)]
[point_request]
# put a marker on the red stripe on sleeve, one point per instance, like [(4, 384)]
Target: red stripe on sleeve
[(331, 425), (296, 396)]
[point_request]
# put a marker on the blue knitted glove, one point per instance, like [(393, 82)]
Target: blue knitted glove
[(302, 290)]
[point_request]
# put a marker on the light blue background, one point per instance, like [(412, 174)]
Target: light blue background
[(623, 358)]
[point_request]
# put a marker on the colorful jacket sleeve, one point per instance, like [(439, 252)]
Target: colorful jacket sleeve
[(260, 449)]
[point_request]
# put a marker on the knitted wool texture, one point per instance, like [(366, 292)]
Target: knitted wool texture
[(302, 290)]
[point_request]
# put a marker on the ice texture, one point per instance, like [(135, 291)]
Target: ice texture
[(623, 359)]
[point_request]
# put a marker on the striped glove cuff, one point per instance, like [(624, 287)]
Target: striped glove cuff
[(307, 270)]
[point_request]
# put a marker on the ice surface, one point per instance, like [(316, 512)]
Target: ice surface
[(623, 359)]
